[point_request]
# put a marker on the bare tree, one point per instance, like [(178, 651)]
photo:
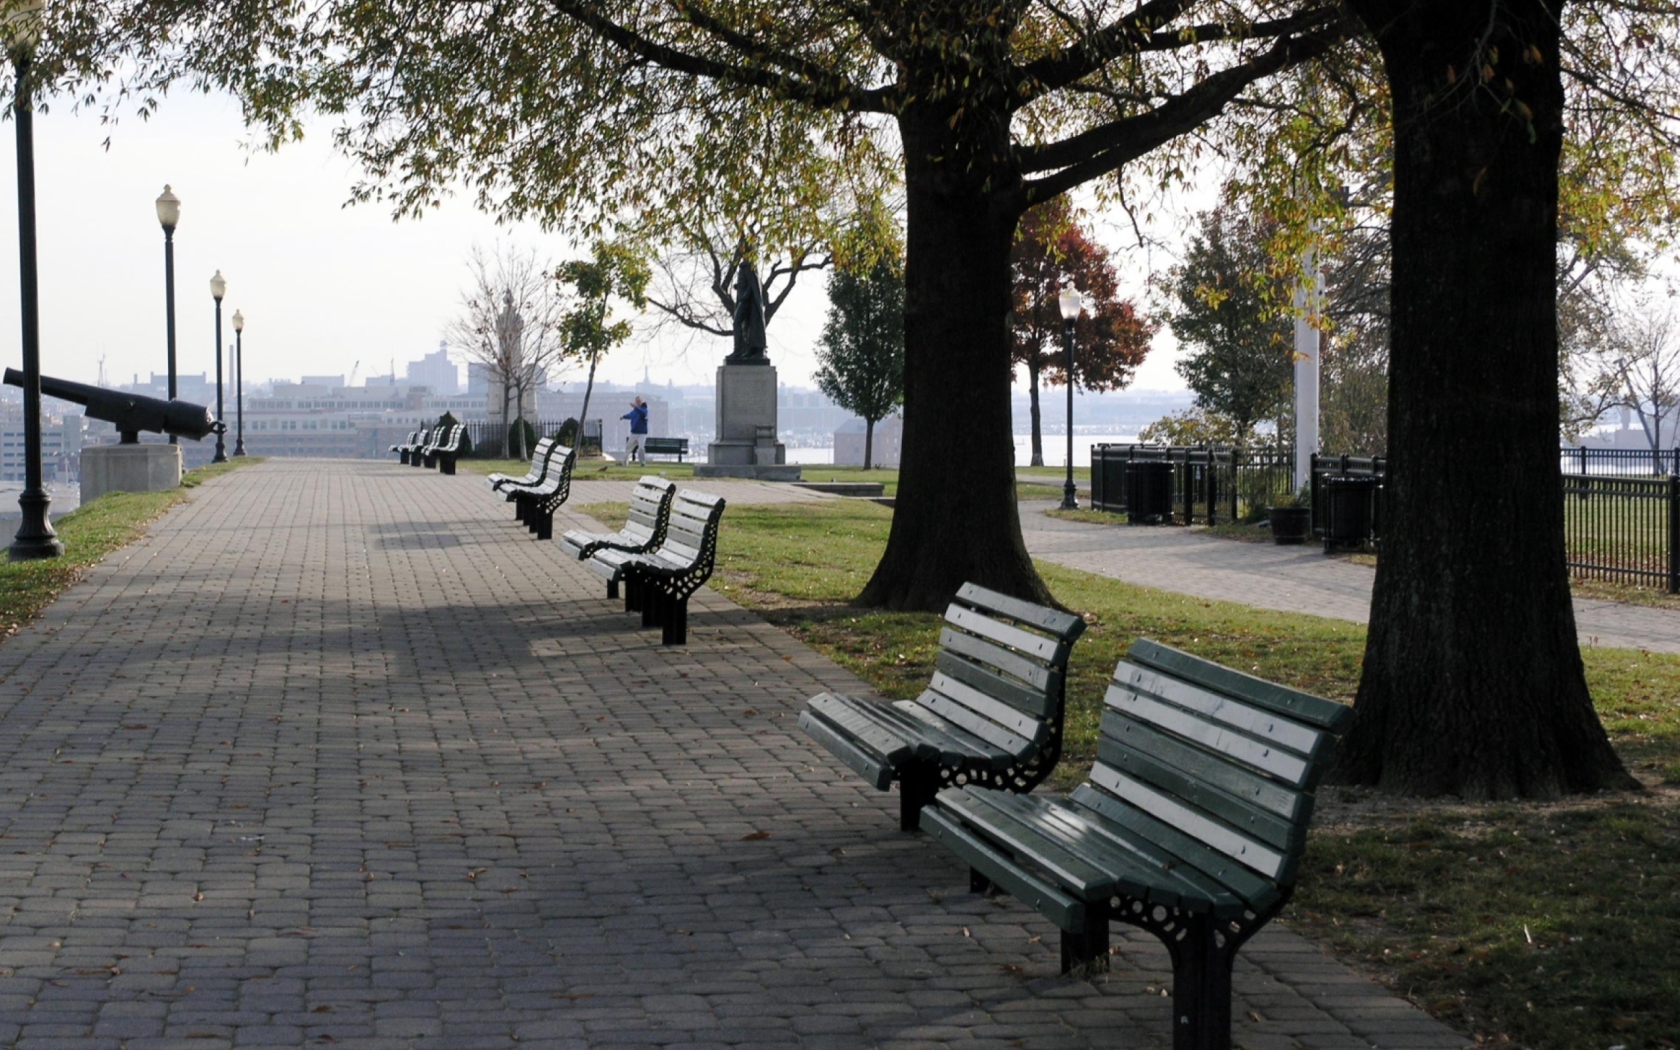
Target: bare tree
[(509, 325), (694, 286), (1646, 369)]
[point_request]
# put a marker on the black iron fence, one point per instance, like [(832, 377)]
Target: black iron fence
[(1623, 529), (1188, 485), (487, 436), (1620, 523), (1623, 461)]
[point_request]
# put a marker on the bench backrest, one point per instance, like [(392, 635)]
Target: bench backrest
[(691, 529), (1001, 674), (650, 510), (1215, 766), (453, 442)]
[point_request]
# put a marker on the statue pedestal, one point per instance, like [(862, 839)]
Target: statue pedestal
[(129, 468), (746, 445)]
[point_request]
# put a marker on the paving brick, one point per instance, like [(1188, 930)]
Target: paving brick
[(338, 750)]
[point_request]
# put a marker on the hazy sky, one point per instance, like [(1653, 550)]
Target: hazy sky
[(324, 288)]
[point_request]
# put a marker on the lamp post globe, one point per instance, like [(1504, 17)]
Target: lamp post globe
[(35, 536), (218, 288), (1069, 302), (239, 380), (169, 215)]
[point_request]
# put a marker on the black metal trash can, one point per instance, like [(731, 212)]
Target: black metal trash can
[(1350, 512), (1149, 493)]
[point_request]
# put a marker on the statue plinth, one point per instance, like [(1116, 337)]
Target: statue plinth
[(746, 445), (129, 468)]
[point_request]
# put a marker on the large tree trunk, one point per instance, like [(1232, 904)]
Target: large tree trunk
[(955, 517), (868, 444), (1473, 683)]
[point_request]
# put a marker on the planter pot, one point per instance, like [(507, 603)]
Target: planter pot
[(1290, 525)]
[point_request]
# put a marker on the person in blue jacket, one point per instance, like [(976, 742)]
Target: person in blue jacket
[(638, 432)]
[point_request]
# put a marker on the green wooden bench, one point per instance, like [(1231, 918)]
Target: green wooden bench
[(1191, 825), (677, 447), (991, 717), (650, 513), (659, 582)]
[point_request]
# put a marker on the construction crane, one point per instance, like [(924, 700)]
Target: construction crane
[(357, 367)]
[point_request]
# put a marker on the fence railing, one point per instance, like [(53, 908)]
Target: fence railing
[(1205, 484), (487, 436), (1623, 529), (1620, 461)]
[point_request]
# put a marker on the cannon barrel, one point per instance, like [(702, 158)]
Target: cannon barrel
[(130, 413)]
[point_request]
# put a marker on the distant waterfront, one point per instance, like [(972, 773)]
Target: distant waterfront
[(1055, 449)]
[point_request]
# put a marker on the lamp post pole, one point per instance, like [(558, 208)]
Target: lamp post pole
[(218, 288), (35, 535), (1069, 301), (239, 379), (169, 213)]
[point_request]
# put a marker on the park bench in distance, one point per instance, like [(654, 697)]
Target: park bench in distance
[(677, 447), (650, 512), (512, 488), (992, 715), (1191, 825), (658, 582), (402, 447), (411, 451), (422, 455), (448, 445), (539, 501), (539, 456)]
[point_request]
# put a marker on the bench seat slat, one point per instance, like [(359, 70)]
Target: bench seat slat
[(1019, 836), (1255, 721), (1034, 702), (846, 713), (1141, 868), (1052, 902), (1227, 840), (1020, 723), (1244, 883), (1277, 762), (965, 718), (1035, 674), (1325, 714), (1025, 641), (1269, 829), (957, 745), (1208, 768), (1064, 625)]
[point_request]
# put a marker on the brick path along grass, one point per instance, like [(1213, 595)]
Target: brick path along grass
[(89, 533), (1543, 925)]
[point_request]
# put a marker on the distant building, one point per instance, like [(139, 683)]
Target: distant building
[(888, 443), (61, 449), (436, 371)]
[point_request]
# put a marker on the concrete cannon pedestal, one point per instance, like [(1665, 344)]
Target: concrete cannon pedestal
[(129, 468)]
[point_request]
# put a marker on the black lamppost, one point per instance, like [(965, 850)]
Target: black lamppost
[(239, 379), (169, 213), (218, 288), (35, 535), (1069, 302)]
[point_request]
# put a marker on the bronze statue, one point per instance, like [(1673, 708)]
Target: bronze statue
[(750, 343)]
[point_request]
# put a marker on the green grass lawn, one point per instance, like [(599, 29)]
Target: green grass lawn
[(89, 533), (1541, 925)]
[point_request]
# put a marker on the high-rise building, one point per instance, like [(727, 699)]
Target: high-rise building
[(437, 372)]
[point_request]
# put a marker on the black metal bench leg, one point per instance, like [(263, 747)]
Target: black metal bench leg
[(977, 881), (916, 787), (1201, 987), (612, 590), (632, 594), (519, 510), (447, 466), (1089, 947), (674, 630), (545, 524)]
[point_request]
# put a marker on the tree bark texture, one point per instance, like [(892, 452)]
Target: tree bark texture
[(1037, 426), (1473, 684), (955, 519)]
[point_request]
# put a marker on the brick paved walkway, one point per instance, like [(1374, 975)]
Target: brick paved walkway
[(1293, 579), (339, 757)]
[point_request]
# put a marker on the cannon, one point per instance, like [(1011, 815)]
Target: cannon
[(131, 413)]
